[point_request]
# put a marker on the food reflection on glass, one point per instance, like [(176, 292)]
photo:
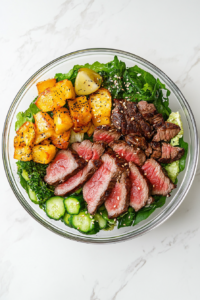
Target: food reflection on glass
[(99, 146)]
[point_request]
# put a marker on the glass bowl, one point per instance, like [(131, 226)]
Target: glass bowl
[(177, 103)]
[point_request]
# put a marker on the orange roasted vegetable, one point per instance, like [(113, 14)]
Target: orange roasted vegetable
[(100, 104), (80, 112), (91, 129), (43, 136), (25, 135), (62, 120), (43, 154), (61, 141), (43, 122), (46, 142), (55, 97), (43, 85), (23, 153)]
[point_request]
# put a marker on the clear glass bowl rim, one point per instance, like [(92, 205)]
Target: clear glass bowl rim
[(147, 227)]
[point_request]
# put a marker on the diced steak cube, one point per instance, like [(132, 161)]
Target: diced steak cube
[(88, 150), (118, 116), (106, 134), (147, 110), (77, 181), (170, 153), (166, 132), (137, 141), (140, 188), (100, 185), (66, 164), (149, 150), (118, 201), (160, 182), (156, 154), (133, 127), (129, 153)]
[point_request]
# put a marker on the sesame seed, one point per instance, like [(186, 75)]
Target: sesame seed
[(138, 188), (117, 198)]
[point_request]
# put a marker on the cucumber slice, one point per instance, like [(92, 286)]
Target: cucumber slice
[(72, 205), (83, 222), (67, 219), (105, 216), (102, 222), (32, 195), (55, 208), (25, 175)]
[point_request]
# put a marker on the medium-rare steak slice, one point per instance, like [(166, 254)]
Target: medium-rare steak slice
[(170, 153), (88, 150), (66, 164), (100, 185), (160, 182), (166, 132), (77, 181), (118, 201), (106, 134), (138, 141), (129, 153), (140, 188)]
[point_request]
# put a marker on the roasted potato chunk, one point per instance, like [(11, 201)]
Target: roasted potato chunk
[(43, 136), (61, 141), (80, 112), (62, 120), (43, 85), (91, 129), (23, 153), (55, 97), (25, 135), (100, 103), (43, 154), (43, 122), (46, 142), (87, 82)]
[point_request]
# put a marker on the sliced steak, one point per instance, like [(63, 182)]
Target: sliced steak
[(118, 201), (89, 150), (129, 153), (106, 134), (66, 164), (156, 154), (170, 153), (138, 141), (77, 181), (156, 150), (118, 117), (140, 188), (149, 150), (160, 182), (100, 185), (166, 132)]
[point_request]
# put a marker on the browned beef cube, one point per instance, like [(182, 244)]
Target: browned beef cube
[(166, 132), (170, 153), (137, 141)]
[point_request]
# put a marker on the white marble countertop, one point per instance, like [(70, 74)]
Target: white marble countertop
[(34, 262)]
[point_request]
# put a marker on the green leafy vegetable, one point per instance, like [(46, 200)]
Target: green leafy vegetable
[(87, 137), (26, 116), (127, 218), (182, 161), (36, 173)]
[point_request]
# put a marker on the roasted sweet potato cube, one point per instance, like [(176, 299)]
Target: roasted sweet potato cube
[(66, 88), (43, 154), (43, 85), (46, 142), (80, 112), (23, 153), (100, 103), (61, 141), (43, 136), (43, 122), (91, 129), (25, 135), (62, 120), (85, 128)]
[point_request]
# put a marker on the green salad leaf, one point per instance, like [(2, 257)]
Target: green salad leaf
[(182, 160), (26, 116), (127, 218)]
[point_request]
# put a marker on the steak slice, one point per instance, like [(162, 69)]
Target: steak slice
[(118, 201), (129, 153), (156, 150), (100, 185), (88, 150), (170, 153), (156, 154), (140, 188), (149, 150), (77, 181), (150, 113), (106, 134), (66, 164), (166, 132), (137, 141), (160, 182), (118, 117)]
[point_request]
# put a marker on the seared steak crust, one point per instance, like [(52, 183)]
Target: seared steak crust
[(106, 134), (166, 132), (118, 118), (66, 164), (137, 141), (170, 153)]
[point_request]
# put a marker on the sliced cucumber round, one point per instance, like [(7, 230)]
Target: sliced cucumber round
[(32, 195), (72, 205), (83, 222), (67, 219), (102, 222), (55, 208)]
